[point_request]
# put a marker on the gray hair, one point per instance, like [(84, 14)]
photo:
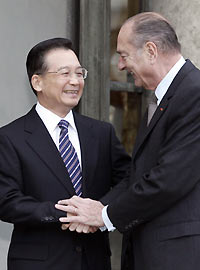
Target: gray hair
[(151, 26)]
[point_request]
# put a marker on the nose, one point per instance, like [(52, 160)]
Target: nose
[(121, 65), (73, 79)]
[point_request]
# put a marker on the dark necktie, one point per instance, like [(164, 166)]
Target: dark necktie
[(70, 157), (152, 107)]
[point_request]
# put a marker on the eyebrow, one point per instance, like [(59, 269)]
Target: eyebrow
[(60, 68)]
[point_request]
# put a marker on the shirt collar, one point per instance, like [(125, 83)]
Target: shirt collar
[(163, 86), (51, 120)]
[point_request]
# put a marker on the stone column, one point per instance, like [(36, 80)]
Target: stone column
[(72, 22), (95, 56)]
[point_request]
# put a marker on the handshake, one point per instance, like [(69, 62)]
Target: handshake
[(82, 215)]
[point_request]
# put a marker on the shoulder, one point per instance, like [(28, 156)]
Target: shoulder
[(17, 124), (14, 125), (191, 74), (187, 84)]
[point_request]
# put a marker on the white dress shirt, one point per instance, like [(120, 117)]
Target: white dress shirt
[(163, 86), (51, 121), (160, 91)]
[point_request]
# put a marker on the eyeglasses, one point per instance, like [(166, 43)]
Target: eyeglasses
[(80, 73)]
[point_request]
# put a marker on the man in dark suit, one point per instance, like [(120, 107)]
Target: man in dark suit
[(159, 213), (33, 175)]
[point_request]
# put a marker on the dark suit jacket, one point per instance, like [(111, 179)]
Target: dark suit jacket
[(33, 178), (160, 212)]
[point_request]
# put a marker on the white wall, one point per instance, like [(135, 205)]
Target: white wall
[(23, 23)]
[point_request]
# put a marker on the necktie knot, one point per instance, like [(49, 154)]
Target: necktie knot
[(63, 124)]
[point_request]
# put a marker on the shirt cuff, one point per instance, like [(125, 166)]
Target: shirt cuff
[(106, 220)]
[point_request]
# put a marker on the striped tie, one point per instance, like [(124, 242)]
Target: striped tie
[(70, 157)]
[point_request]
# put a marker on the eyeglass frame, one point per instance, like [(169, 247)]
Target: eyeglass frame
[(60, 69)]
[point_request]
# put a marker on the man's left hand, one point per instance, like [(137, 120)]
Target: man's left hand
[(84, 211)]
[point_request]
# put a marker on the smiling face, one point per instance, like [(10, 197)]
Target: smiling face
[(134, 60), (60, 88)]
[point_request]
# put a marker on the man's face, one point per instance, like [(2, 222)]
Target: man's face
[(132, 59), (60, 92)]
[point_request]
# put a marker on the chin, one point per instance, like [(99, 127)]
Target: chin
[(72, 104)]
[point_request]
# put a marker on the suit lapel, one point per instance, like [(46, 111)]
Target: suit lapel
[(89, 150), (41, 142), (145, 130)]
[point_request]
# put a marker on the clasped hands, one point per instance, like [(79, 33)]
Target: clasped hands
[(82, 215)]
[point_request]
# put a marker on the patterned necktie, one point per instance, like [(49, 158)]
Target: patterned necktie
[(152, 107), (70, 157)]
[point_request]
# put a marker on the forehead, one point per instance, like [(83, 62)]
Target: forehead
[(123, 40), (61, 57)]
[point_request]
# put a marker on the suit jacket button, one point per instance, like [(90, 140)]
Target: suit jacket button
[(43, 219), (78, 249)]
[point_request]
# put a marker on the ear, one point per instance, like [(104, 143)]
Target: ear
[(151, 51), (36, 82)]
